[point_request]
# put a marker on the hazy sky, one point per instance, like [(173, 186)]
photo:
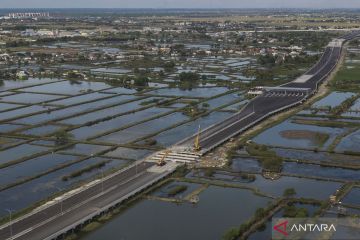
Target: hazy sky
[(179, 3)]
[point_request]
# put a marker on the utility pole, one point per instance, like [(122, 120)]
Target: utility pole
[(102, 180), (136, 162), (61, 201), (10, 224)]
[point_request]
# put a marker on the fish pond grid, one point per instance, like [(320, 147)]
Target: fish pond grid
[(105, 128), (108, 127)]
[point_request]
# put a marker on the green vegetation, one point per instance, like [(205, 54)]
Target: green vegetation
[(205, 105), (180, 171), (326, 123), (352, 153), (188, 80), (176, 190), (209, 172), (321, 138), (317, 138), (3, 141), (62, 137), (91, 226), (231, 234), (193, 110), (259, 150), (189, 76), (72, 236), (339, 138), (141, 81), (247, 176), (152, 101), (347, 79), (291, 211), (272, 164), (74, 75), (169, 66), (260, 213), (344, 106), (150, 142), (267, 60), (269, 160), (85, 170), (235, 233), (289, 192), (278, 69), (230, 153), (141, 52)]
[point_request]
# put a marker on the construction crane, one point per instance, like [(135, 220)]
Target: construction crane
[(197, 146), (162, 161)]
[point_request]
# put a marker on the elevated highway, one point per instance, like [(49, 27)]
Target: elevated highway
[(66, 212), (74, 209), (273, 100)]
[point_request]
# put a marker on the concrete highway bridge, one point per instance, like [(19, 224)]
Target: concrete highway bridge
[(272, 100), (78, 207)]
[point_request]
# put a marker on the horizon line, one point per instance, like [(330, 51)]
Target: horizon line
[(180, 8)]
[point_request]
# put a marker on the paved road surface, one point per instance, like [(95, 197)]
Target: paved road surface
[(82, 204), (272, 101), (85, 204)]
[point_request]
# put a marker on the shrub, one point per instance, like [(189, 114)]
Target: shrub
[(289, 192), (209, 172), (62, 137), (176, 190), (231, 234)]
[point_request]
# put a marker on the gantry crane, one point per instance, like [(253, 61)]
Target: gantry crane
[(162, 161), (197, 146)]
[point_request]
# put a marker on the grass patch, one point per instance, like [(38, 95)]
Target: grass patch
[(317, 138), (347, 78), (324, 123), (152, 101), (91, 227), (72, 236), (176, 190), (291, 211), (352, 153), (85, 170), (260, 150), (344, 106), (268, 158)]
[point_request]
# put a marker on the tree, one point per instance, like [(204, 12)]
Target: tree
[(209, 172), (205, 105), (189, 76), (231, 234), (169, 66), (272, 164), (260, 213), (150, 142), (292, 211), (289, 192), (141, 81), (302, 213), (267, 59)]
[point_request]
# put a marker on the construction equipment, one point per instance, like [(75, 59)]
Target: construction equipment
[(162, 161), (197, 146)]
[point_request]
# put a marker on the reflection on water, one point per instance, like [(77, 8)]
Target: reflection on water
[(273, 136), (218, 210)]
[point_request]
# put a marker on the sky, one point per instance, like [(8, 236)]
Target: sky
[(179, 3)]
